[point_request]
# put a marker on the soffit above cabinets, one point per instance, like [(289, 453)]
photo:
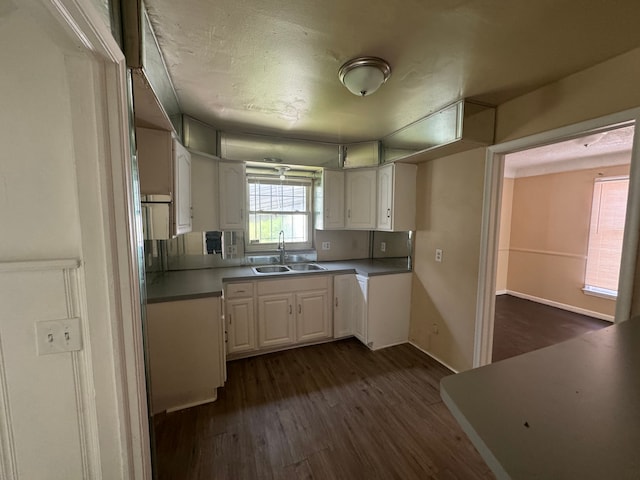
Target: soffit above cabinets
[(265, 66)]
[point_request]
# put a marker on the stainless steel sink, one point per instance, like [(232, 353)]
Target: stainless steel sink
[(271, 269), (305, 267)]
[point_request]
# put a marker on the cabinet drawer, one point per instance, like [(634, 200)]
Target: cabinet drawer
[(239, 290), (297, 284)]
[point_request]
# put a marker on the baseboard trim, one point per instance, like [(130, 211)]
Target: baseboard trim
[(502, 292), (444, 364), (569, 308)]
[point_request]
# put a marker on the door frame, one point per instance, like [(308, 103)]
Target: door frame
[(493, 180), (86, 29)]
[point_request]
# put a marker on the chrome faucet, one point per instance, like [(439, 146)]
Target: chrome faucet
[(283, 252)]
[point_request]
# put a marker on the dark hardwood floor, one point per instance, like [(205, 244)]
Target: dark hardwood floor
[(331, 411), (522, 326)]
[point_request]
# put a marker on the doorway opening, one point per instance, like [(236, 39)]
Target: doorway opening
[(560, 240), (538, 256)]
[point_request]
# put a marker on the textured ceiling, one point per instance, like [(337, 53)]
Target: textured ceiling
[(271, 66), (601, 149)]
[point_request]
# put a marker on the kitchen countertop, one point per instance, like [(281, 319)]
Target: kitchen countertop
[(190, 284), (567, 411)]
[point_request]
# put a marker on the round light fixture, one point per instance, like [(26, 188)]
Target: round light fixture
[(364, 75), (282, 171)]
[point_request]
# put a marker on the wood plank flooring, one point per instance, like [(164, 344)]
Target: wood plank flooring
[(522, 326), (330, 411)]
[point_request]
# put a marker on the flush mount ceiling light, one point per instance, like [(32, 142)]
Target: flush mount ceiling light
[(282, 171), (364, 75)]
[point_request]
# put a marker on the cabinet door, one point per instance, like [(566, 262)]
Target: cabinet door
[(275, 320), (389, 296), (402, 203), (154, 161), (182, 198), (333, 199), (343, 305), (204, 193), (240, 319), (361, 199), (185, 347), (385, 197), (360, 309), (312, 314), (232, 195)]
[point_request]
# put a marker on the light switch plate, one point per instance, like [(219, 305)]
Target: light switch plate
[(58, 336)]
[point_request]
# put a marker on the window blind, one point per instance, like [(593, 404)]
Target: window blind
[(605, 234)]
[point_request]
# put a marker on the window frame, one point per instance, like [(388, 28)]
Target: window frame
[(274, 180), (588, 288)]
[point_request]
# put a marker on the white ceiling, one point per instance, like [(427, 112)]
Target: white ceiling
[(601, 149), (271, 66)]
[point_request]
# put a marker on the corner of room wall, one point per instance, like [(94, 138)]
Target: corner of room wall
[(443, 296)]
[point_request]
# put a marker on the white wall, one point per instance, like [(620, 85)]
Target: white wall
[(61, 415), (38, 197), (443, 294)]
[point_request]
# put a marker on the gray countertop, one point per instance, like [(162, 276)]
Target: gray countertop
[(567, 411), (190, 284)]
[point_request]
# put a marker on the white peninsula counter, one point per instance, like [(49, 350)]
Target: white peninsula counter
[(569, 411)]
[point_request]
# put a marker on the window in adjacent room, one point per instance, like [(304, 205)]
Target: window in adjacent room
[(279, 205), (605, 236)]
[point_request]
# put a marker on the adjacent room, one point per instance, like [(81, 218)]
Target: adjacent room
[(561, 231)]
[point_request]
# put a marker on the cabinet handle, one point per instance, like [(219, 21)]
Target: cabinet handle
[(336, 302), (349, 213), (299, 308), (388, 213), (242, 214), (290, 310), (229, 319)]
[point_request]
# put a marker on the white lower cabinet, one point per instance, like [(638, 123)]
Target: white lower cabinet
[(186, 352), (275, 320), (239, 316), (360, 309), (382, 310), (312, 316), (289, 311), (240, 322), (344, 291)]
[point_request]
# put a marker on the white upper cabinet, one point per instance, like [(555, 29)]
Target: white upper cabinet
[(397, 197), (232, 191), (204, 193), (155, 162), (329, 201), (360, 193), (165, 171)]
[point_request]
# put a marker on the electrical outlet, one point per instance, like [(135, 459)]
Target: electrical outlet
[(383, 246), (57, 336), (435, 329), (438, 255), (326, 245)]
